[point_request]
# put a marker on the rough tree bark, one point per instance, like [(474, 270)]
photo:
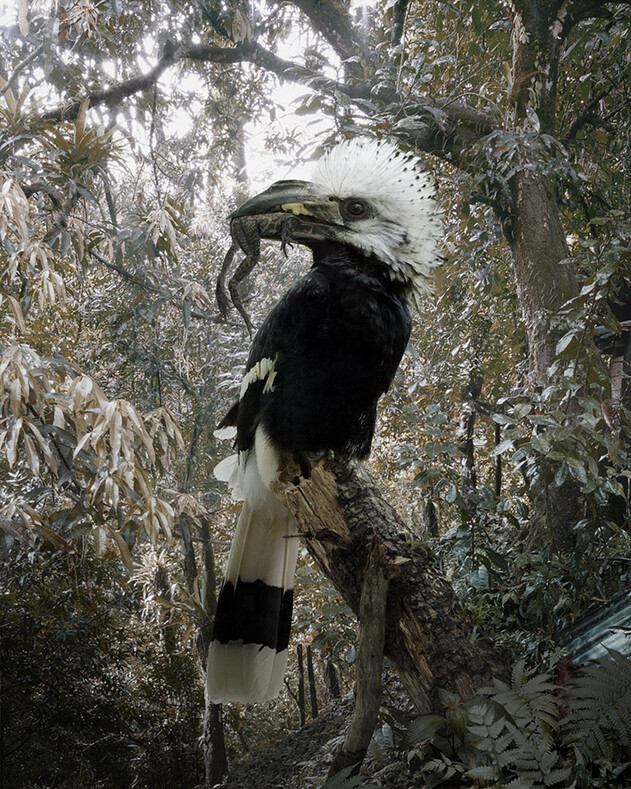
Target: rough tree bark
[(313, 696), (214, 748), (542, 282), (536, 235), (340, 512), (370, 647)]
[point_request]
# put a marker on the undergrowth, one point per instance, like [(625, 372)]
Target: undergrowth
[(532, 734)]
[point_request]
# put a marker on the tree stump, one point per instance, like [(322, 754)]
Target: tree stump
[(341, 514)]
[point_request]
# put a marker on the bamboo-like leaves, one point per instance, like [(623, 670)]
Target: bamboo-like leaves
[(14, 210), (64, 430)]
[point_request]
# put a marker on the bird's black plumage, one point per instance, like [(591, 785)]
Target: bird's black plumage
[(336, 339)]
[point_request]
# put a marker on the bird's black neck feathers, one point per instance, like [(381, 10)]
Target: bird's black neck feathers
[(365, 267)]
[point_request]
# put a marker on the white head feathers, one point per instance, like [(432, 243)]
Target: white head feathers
[(405, 227)]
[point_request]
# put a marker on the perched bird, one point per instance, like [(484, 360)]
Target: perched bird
[(319, 363)]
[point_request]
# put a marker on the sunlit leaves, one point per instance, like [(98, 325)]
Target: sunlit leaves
[(78, 151), (162, 223), (83, 17), (13, 210), (101, 452)]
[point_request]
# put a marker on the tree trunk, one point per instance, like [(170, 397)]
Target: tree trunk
[(215, 760), (301, 686), (313, 696), (370, 646), (340, 512), (332, 679), (543, 282), (537, 237)]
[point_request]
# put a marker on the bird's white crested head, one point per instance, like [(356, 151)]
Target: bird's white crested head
[(402, 226)]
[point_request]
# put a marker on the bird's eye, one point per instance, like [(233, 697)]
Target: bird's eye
[(354, 208)]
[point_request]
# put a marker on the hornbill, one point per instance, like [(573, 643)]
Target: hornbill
[(319, 363)]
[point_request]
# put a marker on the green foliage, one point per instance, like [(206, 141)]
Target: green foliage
[(571, 430), (89, 696), (531, 734), (598, 722), (521, 577)]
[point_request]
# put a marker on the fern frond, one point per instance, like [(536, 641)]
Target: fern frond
[(599, 723), (483, 773), (438, 771), (556, 776), (520, 783), (502, 743), (532, 707), (532, 757), (517, 675)]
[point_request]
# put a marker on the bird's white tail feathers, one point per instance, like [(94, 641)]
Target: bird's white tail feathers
[(248, 653)]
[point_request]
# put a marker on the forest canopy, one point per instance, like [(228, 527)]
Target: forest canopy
[(128, 133)]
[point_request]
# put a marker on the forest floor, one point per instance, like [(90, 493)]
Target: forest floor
[(302, 759)]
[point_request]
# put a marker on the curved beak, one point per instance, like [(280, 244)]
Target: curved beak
[(310, 208)]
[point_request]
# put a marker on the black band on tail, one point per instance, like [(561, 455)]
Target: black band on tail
[(254, 612)]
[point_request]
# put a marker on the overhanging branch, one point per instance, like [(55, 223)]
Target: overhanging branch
[(245, 52), (450, 128), (115, 94)]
